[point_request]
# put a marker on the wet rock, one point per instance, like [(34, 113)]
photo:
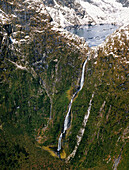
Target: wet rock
[(8, 28), (1, 38), (125, 3)]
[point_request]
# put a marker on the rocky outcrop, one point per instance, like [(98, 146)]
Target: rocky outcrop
[(81, 12), (125, 3)]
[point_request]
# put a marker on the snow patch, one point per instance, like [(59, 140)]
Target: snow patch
[(95, 12)]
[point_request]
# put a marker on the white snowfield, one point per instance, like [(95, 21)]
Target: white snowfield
[(97, 12)]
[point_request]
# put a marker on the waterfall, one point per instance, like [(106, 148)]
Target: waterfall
[(66, 121), (82, 130), (82, 77)]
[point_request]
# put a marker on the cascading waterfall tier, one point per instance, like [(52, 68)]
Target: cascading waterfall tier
[(81, 131), (66, 121)]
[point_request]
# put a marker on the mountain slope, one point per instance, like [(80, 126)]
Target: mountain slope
[(40, 70), (34, 63), (105, 140), (80, 12)]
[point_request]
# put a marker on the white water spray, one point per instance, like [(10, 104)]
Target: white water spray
[(66, 122)]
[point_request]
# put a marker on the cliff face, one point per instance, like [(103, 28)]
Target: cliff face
[(40, 70)]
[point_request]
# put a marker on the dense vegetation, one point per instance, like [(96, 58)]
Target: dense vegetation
[(106, 134), (35, 75), (38, 76)]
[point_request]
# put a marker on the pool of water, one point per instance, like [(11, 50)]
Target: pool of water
[(94, 35)]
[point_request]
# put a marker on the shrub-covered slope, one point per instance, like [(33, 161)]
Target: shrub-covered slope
[(105, 141), (37, 67)]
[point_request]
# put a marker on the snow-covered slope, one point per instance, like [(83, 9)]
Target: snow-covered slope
[(80, 12), (117, 44)]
